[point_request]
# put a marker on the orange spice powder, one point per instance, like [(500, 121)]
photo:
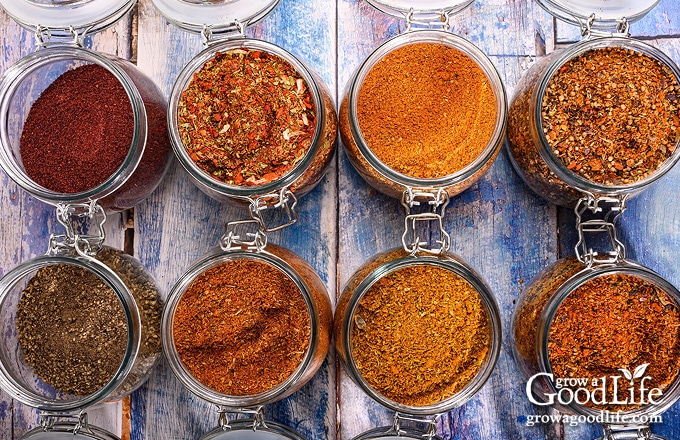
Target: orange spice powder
[(426, 110)]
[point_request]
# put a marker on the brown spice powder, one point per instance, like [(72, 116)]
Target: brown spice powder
[(420, 335), (426, 110), (612, 116), (611, 322), (242, 327)]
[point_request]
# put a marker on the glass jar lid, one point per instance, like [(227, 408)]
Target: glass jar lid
[(606, 13), (243, 430), (63, 17), (65, 431), (400, 8), (216, 15)]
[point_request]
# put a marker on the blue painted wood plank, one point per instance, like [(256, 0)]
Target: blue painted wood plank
[(178, 224)]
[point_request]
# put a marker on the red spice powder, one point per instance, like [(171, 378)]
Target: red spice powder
[(78, 131)]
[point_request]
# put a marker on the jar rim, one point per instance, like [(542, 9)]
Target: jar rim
[(467, 48), (571, 178), (235, 191), (453, 264), (11, 80), (209, 261), (627, 267), (133, 325)]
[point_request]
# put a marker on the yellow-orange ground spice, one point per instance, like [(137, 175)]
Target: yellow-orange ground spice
[(426, 110), (242, 327), (420, 335)]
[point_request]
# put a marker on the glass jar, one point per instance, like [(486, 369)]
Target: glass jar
[(149, 154), (235, 261), (555, 159), (31, 303), (545, 306), (245, 184), (387, 172), (377, 291)]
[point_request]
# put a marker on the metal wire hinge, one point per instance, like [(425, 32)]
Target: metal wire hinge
[(435, 203), (43, 36), (431, 425), (643, 433), (284, 200), (239, 31), (48, 421), (587, 30), (428, 21), (256, 413), (71, 217), (605, 211)]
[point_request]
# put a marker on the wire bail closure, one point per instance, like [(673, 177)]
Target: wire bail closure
[(431, 425), (256, 413), (427, 21), (49, 420), (71, 217), (43, 37), (607, 211), (239, 31), (435, 201), (588, 31)]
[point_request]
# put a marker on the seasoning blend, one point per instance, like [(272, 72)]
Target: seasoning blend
[(247, 119), (601, 116), (85, 132), (249, 323), (590, 126), (425, 109)]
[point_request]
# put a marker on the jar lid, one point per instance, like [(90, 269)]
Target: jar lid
[(606, 13), (243, 430), (217, 15), (400, 8), (65, 431), (60, 16)]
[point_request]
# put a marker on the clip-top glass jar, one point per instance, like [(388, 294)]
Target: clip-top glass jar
[(600, 116), (108, 141), (427, 109), (82, 326), (271, 126), (599, 342), (419, 333), (247, 325)]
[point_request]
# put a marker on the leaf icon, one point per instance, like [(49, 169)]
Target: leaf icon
[(640, 371), (627, 374)]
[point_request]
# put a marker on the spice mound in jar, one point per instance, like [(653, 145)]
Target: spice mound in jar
[(612, 115), (420, 335), (78, 132), (615, 322), (242, 327), (246, 117), (71, 328), (426, 110)]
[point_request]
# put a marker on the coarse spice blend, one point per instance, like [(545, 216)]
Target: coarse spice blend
[(426, 110), (247, 117), (612, 322), (420, 335), (611, 115), (71, 328), (242, 327)]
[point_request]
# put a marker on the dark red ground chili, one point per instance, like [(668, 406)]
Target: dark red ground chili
[(78, 131)]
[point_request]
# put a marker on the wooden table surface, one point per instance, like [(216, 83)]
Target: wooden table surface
[(505, 231)]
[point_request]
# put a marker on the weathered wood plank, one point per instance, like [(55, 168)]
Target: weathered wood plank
[(178, 223)]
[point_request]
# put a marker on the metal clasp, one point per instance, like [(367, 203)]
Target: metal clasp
[(43, 37), (224, 422), (431, 425), (238, 32), (587, 30), (48, 421), (435, 202), (283, 199), (428, 21), (71, 216), (607, 211), (626, 432), (232, 239)]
